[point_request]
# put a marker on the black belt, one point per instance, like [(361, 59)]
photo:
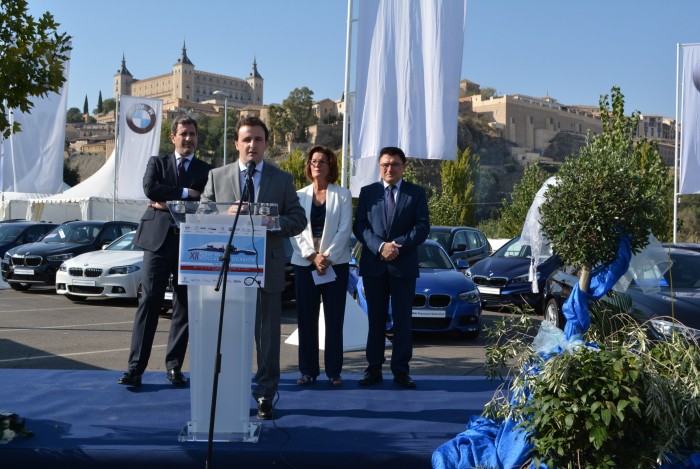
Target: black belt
[(174, 230)]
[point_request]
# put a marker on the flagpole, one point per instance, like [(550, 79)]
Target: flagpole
[(676, 152), (116, 157), (344, 174)]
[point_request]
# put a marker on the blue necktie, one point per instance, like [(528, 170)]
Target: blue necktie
[(390, 204)]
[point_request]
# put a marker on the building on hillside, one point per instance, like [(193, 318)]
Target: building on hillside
[(531, 123), (186, 89)]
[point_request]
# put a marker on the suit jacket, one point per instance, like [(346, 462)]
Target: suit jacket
[(409, 228), (160, 185), (336, 228), (276, 186)]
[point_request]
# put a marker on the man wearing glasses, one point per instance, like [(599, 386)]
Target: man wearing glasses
[(391, 220)]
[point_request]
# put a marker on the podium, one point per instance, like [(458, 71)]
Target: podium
[(204, 232)]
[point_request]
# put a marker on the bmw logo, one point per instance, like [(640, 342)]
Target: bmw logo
[(141, 118)]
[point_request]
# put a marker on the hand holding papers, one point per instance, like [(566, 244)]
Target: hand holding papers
[(319, 279)]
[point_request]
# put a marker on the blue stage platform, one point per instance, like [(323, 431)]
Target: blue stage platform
[(84, 419)]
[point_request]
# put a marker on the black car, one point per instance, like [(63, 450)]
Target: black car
[(678, 295), (462, 243), (17, 232), (37, 263), (502, 278)]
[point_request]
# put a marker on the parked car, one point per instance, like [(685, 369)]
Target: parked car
[(461, 242), (37, 263), (445, 299), (502, 278), (678, 295), (17, 232), (114, 272)]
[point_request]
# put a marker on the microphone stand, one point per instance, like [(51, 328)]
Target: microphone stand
[(223, 276)]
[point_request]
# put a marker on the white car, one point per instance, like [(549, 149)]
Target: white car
[(114, 272)]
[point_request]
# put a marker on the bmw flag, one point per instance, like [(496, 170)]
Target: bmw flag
[(139, 139)]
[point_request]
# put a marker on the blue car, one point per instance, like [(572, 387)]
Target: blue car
[(445, 300), (502, 278)]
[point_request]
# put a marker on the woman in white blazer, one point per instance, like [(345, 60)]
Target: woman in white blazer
[(321, 256)]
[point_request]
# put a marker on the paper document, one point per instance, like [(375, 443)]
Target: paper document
[(329, 276)]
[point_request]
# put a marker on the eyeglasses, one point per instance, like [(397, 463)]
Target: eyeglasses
[(390, 165), (318, 163)]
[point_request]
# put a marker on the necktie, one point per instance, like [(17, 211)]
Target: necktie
[(390, 204), (181, 172), (249, 190)]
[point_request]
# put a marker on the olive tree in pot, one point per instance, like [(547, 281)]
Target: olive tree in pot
[(626, 402)]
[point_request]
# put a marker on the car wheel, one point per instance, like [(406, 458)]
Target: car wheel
[(20, 286), (553, 314), (76, 297)]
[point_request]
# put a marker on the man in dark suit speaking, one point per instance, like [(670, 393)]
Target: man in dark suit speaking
[(266, 183), (177, 176), (391, 220)]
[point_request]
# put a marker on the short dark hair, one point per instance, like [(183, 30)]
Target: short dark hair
[(332, 162), (392, 151), (252, 121), (183, 120)]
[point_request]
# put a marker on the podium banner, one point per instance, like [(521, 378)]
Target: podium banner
[(202, 245)]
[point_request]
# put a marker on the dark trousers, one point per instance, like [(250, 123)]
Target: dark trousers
[(379, 291), (156, 270), (308, 299), (268, 317)]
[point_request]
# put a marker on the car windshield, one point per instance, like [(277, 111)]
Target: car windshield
[(77, 234), (516, 250), (684, 272), (441, 237), (433, 257), (9, 233), (125, 243)]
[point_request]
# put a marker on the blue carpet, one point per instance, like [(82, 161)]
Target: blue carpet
[(83, 419)]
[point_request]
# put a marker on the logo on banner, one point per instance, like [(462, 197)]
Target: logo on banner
[(141, 118)]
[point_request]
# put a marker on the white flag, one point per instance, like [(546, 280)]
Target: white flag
[(409, 61), (32, 160), (690, 122), (139, 139)]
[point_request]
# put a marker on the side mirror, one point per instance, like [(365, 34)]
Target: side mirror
[(462, 264)]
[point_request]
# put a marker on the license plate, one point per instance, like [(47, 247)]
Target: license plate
[(489, 290), (428, 313), (24, 271), (85, 283)]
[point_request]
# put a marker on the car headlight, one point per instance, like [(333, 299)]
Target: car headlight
[(667, 328), (468, 272), (122, 270), (60, 257), (471, 296), (63, 267), (6, 258)]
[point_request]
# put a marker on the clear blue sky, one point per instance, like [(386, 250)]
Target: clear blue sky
[(571, 51)]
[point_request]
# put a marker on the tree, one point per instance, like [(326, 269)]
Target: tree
[(615, 187), (31, 59), (73, 115), (488, 92), (70, 175), (109, 105), (513, 214), (99, 104), (279, 124), (454, 206), (298, 108), (295, 164), (86, 109)]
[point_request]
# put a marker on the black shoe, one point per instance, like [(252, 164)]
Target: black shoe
[(403, 380), (265, 409), (130, 378), (370, 378), (176, 378)]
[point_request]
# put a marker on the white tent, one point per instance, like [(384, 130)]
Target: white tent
[(92, 199)]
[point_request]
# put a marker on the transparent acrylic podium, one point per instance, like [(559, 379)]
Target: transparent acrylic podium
[(232, 418)]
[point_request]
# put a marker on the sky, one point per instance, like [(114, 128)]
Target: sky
[(571, 51)]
